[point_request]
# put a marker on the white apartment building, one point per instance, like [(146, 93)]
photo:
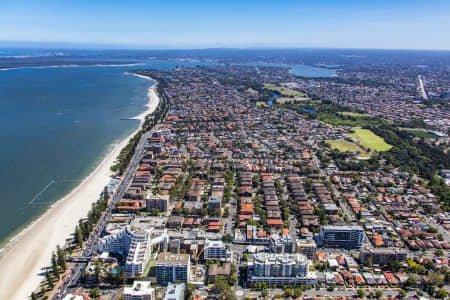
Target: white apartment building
[(280, 269), (133, 243)]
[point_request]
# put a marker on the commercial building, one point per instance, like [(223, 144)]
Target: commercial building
[(141, 290), (217, 250), (382, 256), (172, 268), (349, 237), (280, 269)]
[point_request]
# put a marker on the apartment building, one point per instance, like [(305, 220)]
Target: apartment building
[(349, 237), (280, 269), (382, 256), (172, 268), (217, 250)]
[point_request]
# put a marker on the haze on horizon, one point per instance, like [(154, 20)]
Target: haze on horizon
[(387, 24)]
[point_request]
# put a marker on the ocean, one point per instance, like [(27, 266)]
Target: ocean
[(58, 123)]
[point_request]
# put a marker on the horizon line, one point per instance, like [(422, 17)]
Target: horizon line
[(92, 46)]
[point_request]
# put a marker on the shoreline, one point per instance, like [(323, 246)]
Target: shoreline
[(26, 254), (71, 66)]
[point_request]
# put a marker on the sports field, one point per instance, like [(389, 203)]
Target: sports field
[(354, 114), (284, 91), (344, 146), (370, 140)]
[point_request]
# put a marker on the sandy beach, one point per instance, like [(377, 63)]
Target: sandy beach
[(24, 260)]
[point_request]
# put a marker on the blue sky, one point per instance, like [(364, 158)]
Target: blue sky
[(401, 24)]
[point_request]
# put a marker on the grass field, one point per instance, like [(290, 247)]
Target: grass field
[(420, 132), (283, 100), (344, 146), (370, 140), (260, 103), (284, 91), (250, 90), (354, 114)]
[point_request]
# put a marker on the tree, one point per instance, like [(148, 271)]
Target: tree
[(49, 279), (33, 296), (233, 269), (222, 288), (245, 256), (189, 291), (61, 257), (233, 279), (288, 292), (227, 238), (106, 194), (331, 286), (264, 293), (379, 294), (78, 237), (402, 294), (55, 270), (411, 282), (97, 272), (298, 292), (436, 279), (361, 293), (442, 294), (439, 252), (94, 293)]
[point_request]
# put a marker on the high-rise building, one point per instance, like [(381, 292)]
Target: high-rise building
[(172, 268), (349, 237), (135, 244)]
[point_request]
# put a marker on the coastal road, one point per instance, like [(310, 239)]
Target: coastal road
[(92, 244)]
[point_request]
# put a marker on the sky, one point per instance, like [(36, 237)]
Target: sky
[(381, 24)]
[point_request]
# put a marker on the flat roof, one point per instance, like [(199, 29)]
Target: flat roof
[(173, 258)]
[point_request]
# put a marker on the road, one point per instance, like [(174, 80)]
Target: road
[(337, 292), (92, 244), (422, 88)]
